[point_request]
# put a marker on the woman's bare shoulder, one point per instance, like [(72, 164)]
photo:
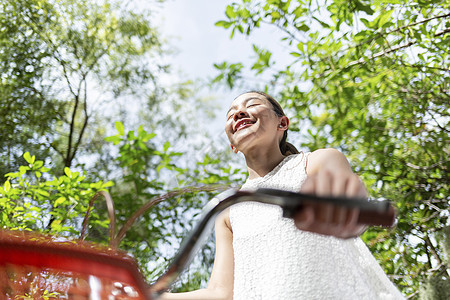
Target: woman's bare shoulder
[(223, 219), (321, 158)]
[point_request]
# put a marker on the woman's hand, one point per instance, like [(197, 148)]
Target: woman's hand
[(329, 174)]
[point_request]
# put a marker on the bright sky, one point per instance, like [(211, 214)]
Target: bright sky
[(190, 26)]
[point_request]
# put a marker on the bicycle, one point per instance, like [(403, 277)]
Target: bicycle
[(47, 267)]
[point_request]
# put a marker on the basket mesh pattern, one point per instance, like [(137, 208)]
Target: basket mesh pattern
[(26, 282)]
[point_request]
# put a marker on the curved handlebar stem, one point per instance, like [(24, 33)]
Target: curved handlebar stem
[(195, 238), (372, 212)]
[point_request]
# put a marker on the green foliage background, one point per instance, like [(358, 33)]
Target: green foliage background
[(377, 77), (370, 78), (70, 70)]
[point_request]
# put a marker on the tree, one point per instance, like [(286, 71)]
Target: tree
[(68, 69), (25, 110), (372, 79), (64, 61)]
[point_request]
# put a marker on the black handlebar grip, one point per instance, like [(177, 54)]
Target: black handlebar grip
[(377, 218), (371, 212)]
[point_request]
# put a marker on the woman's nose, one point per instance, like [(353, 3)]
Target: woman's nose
[(239, 115)]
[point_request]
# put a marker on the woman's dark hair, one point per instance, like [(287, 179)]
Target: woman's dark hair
[(285, 147)]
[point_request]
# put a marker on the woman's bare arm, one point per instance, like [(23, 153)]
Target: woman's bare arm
[(220, 285), (330, 174)]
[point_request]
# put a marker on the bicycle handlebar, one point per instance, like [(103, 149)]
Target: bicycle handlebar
[(372, 212)]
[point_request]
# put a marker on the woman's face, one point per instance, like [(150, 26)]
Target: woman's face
[(251, 122)]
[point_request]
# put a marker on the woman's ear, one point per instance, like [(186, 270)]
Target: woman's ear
[(284, 123)]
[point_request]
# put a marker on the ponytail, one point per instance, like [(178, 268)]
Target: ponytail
[(287, 148)]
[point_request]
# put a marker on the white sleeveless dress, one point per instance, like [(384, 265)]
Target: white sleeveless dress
[(274, 260)]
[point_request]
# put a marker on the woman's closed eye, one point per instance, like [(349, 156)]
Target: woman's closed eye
[(232, 113)]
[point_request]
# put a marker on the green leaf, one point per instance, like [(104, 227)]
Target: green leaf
[(230, 13), (366, 22), (43, 192), (223, 24), (363, 7), (120, 128), (149, 136), (56, 225), (275, 16), (115, 139), (59, 201), (324, 25), (107, 184), (302, 27), (67, 172), (38, 164), (7, 186), (12, 175), (384, 18), (23, 170), (28, 158)]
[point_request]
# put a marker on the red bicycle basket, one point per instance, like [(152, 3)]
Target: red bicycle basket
[(34, 266)]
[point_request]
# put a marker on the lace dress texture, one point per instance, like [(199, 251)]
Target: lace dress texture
[(275, 260)]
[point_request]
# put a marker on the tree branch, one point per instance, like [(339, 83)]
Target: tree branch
[(85, 123), (442, 32), (68, 161), (423, 67), (382, 53), (404, 27), (432, 249)]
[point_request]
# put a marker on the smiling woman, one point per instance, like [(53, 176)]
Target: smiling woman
[(260, 99), (260, 254), (251, 121)]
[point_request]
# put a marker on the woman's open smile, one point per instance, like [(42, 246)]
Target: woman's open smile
[(244, 123)]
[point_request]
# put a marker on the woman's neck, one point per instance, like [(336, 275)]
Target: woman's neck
[(260, 163)]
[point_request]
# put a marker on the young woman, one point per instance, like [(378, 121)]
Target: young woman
[(260, 254)]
